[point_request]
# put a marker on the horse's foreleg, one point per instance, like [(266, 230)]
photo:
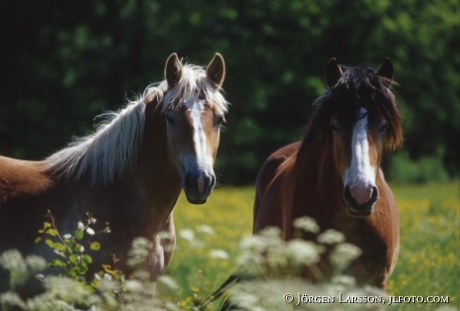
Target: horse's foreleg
[(164, 243), (169, 242)]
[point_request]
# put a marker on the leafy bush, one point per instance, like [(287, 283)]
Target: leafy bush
[(403, 169), (73, 259)]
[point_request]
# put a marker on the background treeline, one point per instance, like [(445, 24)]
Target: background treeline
[(64, 62)]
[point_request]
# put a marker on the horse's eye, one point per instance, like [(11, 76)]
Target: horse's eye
[(221, 120), (335, 125), (170, 119), (383, 127)]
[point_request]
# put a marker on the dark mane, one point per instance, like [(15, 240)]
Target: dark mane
[(359, 87)]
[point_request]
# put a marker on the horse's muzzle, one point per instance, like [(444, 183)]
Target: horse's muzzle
[(198, 185), (360, 209)]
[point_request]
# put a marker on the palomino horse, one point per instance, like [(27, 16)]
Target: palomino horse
[(130, 172), (334, 174)]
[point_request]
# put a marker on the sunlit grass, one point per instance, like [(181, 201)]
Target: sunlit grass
[(209, 235), (429, 260), (201, 264)]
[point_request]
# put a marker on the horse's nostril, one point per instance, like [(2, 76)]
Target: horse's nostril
[(198, 185), (351, 200), (375, 195), (213, 181), (200, 182), (188, 180), (347, 194)]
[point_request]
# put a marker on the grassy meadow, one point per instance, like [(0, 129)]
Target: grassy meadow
[(209, 237)]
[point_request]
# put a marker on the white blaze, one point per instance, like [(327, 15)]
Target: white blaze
[(361, 175), (201, 159)]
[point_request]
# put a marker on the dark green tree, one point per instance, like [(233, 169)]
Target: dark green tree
[(65, 62)]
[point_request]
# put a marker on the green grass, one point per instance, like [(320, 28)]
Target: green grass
[(428, 263), (228, 214), (429, 260)]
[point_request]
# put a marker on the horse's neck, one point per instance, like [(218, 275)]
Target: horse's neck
[(318, 180), (156, 172), (315, 165)]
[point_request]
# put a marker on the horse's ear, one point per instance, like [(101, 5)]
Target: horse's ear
[(216, 71), (386, 70), (173, 70), (333, 72)]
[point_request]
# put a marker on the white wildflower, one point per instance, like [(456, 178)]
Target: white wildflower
[(271, 233), (35, 263), (139, 251), (302, 252), (344, 280), (164, 235), (90, 231), (219, 254), (133, 285), (306, 224), (13, 260), (276, 256), (330, 237), (168, 282), (187, 234), (80, 226), (251, 262), (206, 229), (254, 243), (141, 242), (343, 254), (12, 299), (107, 277)]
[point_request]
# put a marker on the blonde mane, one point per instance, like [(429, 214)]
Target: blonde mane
[(114, 147)]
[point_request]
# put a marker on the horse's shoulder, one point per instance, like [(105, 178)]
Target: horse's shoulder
[(268, 184), (286, 151), (273, 163), (279, 157)]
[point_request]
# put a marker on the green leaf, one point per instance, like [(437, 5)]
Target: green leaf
[(118, 274), (95, 246), (74, 259), (77, 248), (79, 234), (38, 240), (87, 259), (50, 243), (71, 244), (81, 268), (73, 272), (108, 269), (60, 247), (57, 263), (52, 232)]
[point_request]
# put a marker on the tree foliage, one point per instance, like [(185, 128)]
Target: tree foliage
[(65, 62)]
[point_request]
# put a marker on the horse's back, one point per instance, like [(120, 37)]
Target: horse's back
[(266, 176), (21, 178), (22, 183)]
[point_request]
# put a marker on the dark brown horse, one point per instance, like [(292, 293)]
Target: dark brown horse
[(130, 172), (334, 174)]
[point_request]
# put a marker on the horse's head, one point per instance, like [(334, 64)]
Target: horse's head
[(195, 111), (363, 119)]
